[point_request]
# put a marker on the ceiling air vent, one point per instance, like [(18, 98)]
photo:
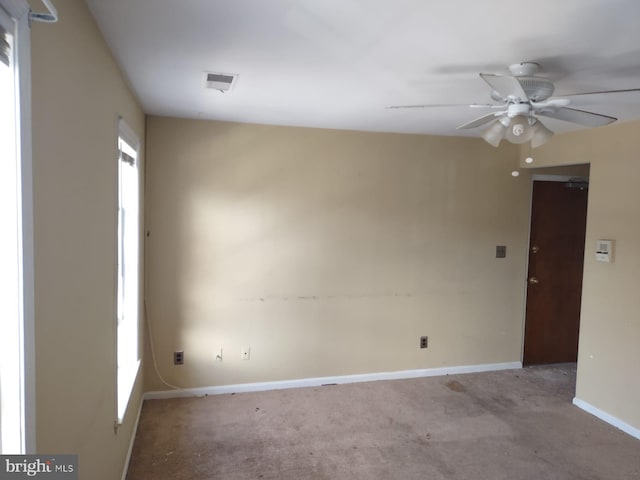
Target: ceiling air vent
[(222, 82)]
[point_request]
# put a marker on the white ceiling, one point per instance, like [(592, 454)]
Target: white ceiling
[(339, 63)]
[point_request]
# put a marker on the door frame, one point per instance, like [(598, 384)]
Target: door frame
[(539, 178)]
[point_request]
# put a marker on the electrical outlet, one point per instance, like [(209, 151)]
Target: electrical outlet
[(178, 358), (245, 353), (424, 342)]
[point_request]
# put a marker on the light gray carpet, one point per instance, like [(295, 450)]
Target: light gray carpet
[(511, 425)]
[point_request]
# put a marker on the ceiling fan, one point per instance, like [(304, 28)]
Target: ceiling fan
[(523, 97)]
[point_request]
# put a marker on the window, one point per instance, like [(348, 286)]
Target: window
[(16, 258), (128, 265)]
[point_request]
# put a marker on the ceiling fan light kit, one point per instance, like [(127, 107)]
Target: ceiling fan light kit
[(522, 97), (495, 133), (519, 130), (541, 135)]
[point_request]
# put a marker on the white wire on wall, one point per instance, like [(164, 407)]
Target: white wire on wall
[(153, 356)]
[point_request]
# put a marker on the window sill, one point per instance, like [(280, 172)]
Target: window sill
[(127, 375)]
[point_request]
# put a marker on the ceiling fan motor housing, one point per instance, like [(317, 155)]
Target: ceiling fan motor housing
[(536, 88), (517, 109)]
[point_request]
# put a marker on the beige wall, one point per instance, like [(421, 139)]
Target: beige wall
[(610, 322), (577, 171), (329, 252), (570, 148), (78, 93)]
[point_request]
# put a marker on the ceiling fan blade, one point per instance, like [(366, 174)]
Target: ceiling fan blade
[(550, 103), (472, 105), (628, 90), (506, 87), (489, 117), (588, 119)]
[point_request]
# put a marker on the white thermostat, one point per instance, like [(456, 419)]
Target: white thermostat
[(604, 250)]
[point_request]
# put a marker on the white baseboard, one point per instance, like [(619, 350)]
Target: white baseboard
[(610, 419), (131, 442), (319, 381)]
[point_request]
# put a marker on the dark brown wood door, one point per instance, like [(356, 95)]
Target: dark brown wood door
[(556, 256)]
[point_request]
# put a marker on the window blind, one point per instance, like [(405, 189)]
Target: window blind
[(125, 157), (5, 37)]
